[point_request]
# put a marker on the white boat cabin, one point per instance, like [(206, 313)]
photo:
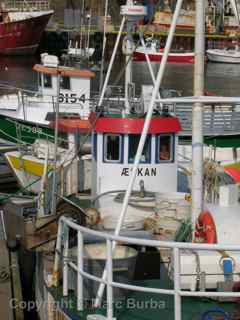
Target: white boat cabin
[(115, 143), (74, 98), (74, 88)]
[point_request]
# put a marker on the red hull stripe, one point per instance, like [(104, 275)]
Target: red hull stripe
[(135, 126), (138, 56)]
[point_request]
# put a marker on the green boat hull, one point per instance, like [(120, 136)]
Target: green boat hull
[(20, 131)]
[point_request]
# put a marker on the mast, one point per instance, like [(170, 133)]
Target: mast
[(104, 45), (54, 183), (128, 48), (129, 11), (197, 113)]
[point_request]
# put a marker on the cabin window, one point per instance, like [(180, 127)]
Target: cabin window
[(47, 80), (164, 150), (94, 143), (65, 83), (39, 80), (112, 148), (133, 145)]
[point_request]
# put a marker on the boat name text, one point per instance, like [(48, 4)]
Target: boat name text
[(141, 172)]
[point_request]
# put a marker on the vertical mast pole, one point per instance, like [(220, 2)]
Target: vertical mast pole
[(142, 139), (54, 184), (197, 113), (104, 45)]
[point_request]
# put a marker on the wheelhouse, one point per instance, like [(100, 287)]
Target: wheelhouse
[(114, 146), (74, 87)]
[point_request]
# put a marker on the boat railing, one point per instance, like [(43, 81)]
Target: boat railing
[(63, 252), (41, 5)]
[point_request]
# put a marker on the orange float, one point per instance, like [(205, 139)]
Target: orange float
[(205, 229)]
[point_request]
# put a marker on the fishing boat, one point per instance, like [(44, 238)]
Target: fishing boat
[(155, 53), (112, 268), (25, 115), (22, 29), (224, 55)]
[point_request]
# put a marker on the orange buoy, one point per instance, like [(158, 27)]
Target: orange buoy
[(205, 229)]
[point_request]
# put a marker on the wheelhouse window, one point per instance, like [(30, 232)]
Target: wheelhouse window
[(65, 83), (94, 142), (47, 80), (165, 148), (113, 148), (133, 145), (39, 79)]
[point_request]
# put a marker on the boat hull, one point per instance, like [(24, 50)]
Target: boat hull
[(216, 56), (173, 57), (15, 130), (22, 37)]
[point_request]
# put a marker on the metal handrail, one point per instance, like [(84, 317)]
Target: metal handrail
[(27, 5), (65, 224)]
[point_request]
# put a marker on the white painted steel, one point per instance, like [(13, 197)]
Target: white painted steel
[(197, 114), (176, 246), (111, 61), (208, 100), (54, 183), (58, 247), (144, 134), (104, 45), (65, 260), (149, 63), (149, 243), (79, 275), (109, 280), (177, 296)]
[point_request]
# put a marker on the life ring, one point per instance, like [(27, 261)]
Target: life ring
[(214, 313), (205, 229)]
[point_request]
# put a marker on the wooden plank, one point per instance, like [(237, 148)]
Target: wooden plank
[(6, 312)]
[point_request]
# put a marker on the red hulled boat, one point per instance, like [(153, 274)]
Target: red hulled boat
[(21, 31), (155, 53)]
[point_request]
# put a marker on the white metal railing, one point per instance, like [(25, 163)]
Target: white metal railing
[(41, 5), (63, 241)]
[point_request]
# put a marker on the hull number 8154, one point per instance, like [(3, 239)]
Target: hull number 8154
[(71, 98)]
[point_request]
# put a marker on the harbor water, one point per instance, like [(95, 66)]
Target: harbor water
[(221, 79)]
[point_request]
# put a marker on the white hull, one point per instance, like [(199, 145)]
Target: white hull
[(37, 108), (224, 56), (78, 52)]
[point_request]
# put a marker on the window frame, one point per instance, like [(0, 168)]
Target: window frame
[(172, 148), (95, 145), (40, 80), (51, 82), (69, 82), (150, 149), (121, 145)]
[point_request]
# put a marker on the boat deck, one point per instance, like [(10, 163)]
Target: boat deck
[(147, 306)]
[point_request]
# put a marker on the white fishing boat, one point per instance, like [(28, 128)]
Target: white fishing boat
[(74, 94), (25, 115), (224, 55), (94, 272)]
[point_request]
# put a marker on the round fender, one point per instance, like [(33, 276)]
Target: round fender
[(205, 230)]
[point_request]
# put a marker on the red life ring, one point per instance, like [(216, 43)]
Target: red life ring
[(205, 229)]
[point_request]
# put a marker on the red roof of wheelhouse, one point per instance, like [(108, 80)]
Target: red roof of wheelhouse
[(158, 125)]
